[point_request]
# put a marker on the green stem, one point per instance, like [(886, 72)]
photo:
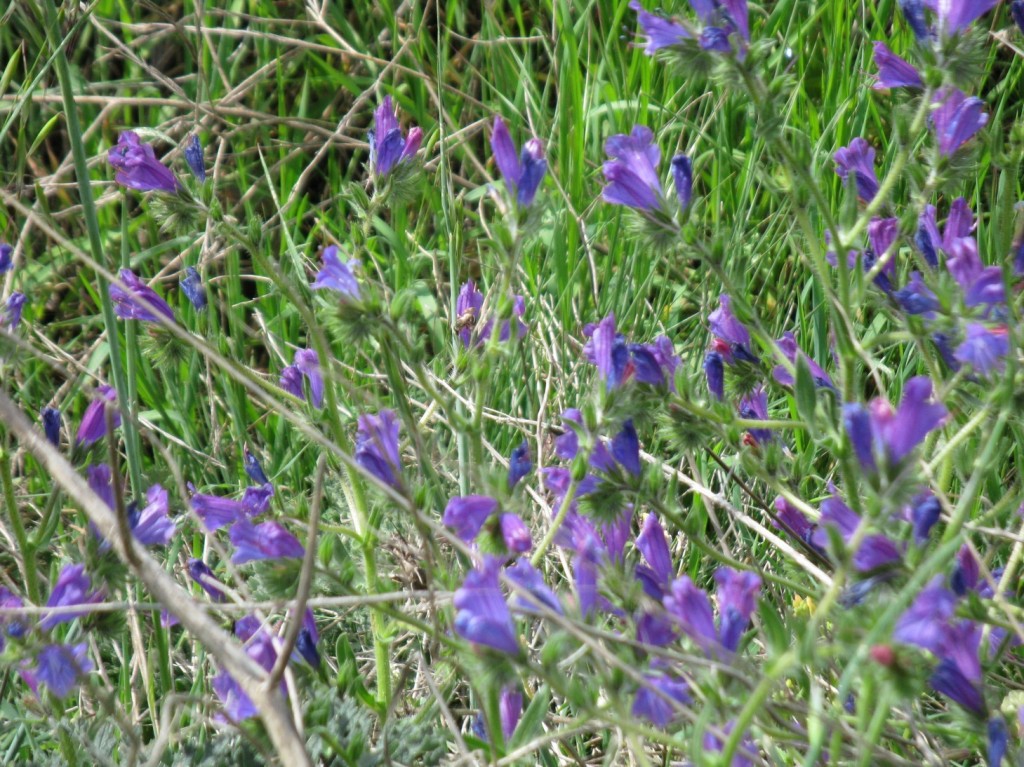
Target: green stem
[(549, 536), (28, 553)]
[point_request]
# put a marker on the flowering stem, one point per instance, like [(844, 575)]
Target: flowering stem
[(81, 160)]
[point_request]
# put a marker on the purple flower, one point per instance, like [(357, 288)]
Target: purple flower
[(887, 436), (514, 533), (13, 309), (754, 407), (50, 417), (99, 479), (793, 519), (737, 597), (1017, 12), (256, 500), (958, 118), (137, 167), (658, 32), (467, 309), (532, 593), (192, 286), (151, 526), (308, 363), (997, 740), (59, 666), (236, 703), (984, 349), (216, 512), (924, 514), (894, 72), (632, 173), (876, 552), (194, 157), (510, 708), (655, 363), (308, 639), (609, 352), (956, 15), (691, 609), (682, 175), (747, 749), (738, 14), (12, 628), (715, 373), (291, 382), (337, 275), (656, 575), (927, 238), (913, 13), (951, 682), (72, 588), (788, 346), (523, 171), (658, 698), (917, 297), (519, 464), (267, 540), (201, 573), (253, 467), (732, 339), (987, 289), (6, 257), (858, 160), (483, 617), (139, 301), (466, 515), (94, 423), (388, 147), (925, 622), (626, 448), (377, 447), (966, 572)]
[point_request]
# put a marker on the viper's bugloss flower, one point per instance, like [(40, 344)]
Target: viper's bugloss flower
[(682, 176), (377, 447), (308, 639), (632, 173), (987, 289), (267, 540), (152, 526), (291, 382), (856, 162), (738, 593), (927, 237), (522, 171), (966, 572), (690, 607), (655, 695), (336, 274), (658, 32), (139, 301), (880, 435), (483, 617), (984, 349), (467, 514), (656, 575), (467, 309), (788, 346), (50, 416), (73, 587), (99, 478), (533, 593), (745, 754), (626, 448), (514, 533), (894, 72), (12, 310), (874, 552), (956, 15), (951, 682), (61, 666), (957, 118), (388, 147), (655, 363), (194, 157), (519, 463), (137, 167), (925, 511), (253, 468), (94, 423), (10, 628), (925, 622), (235, 702), (216, 512), (913, 14), (1017, 12), (6, 257), (754, 407), (201, 573), (998, 738), (732, 339), (510, 708), (917, 298), (192, 286), (308, 363), (608, 350), (714, 371)]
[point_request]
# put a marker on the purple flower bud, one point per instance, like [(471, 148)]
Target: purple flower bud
[(927, 238), (137, 167), (997, 740), (6, 257), (201, 573), (632, 173), (388, 147), (957, 119), (192, 286), (876, 552), (658, 32), (966, 572), (152, 526), (682, 174), (377, 447), (291, 382), (308, 639), (917, 297), (216, 512), (735, 338), (337, 275), (534, 594), (925, 622), (267, 540), (194, 157), (12, 310), (626, 448), (510, 708), (691, 609), (656, 576), (715, 373), (138, 301), (754, 407), (59, 667), (951, 682), (522, 172), (72, 588), (308, 363), (924, 513), (99, 478), (253, 467), (483, 618), (519, 464), (738, 593), (50, 417), (236, 703), (955, 17), (658, 698), (515, 533), (894, 72), (655, 363), (609, 352), (466, 515), (788, 346), (858, 161), (94, 423), (857, 422), (984, 349), (913, 13)]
